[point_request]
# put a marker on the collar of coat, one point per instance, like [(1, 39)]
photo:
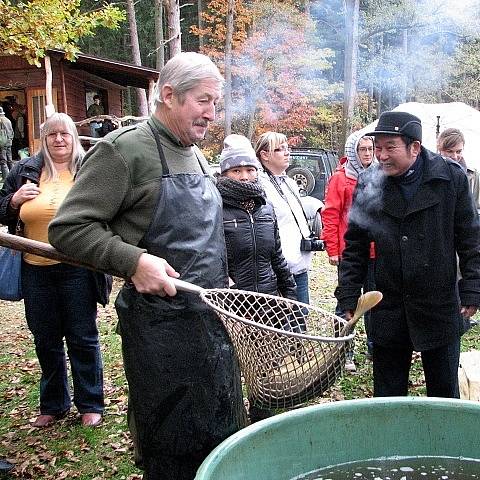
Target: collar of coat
[(436, 168)]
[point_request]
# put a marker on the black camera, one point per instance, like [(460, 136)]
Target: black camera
[(312, 244)]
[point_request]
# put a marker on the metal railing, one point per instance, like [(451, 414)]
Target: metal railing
[(116, 121)]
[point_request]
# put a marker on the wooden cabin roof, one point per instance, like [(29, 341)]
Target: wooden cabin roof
[(121, 73)]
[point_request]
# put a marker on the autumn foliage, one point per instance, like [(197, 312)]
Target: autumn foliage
[(28, 29), (274, 65)]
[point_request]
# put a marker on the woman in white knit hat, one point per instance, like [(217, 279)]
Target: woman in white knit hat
[(254, 254)]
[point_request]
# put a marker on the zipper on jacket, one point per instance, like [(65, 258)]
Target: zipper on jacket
[(254, 243), (234, 221)]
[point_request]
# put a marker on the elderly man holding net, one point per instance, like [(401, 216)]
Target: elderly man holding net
[(145, 207)]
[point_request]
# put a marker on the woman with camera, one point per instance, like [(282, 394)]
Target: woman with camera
[(298, 244)]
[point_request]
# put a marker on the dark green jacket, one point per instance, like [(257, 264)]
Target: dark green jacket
[(108, 210)]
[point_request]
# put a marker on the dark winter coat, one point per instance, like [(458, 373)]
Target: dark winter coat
[(416, 255), (27, 169), (255, 259), (31, 169)]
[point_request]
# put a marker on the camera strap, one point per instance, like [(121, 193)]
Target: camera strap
[(278, 188)]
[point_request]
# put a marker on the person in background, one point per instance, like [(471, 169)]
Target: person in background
[(60, 300), (418, 210), (107, 127), (94, 110), (338, 200), (254, 254), (19, 137), (6, 149), (450, 143), (273, 152), (145, 206)]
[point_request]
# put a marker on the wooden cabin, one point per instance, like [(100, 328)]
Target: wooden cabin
[(73, 86)]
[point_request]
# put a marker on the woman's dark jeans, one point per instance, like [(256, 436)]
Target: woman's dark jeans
[(301, 281), (60, 303)]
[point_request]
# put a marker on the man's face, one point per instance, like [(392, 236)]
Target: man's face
[(190, 114), (394, 156), (455, 153), (365, 151)]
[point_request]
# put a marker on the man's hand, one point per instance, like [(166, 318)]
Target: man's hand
[(154, 275), (468, 312), (348, 314), (333, 260)]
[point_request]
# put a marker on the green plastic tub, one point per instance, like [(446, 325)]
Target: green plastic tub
[(310, 438)]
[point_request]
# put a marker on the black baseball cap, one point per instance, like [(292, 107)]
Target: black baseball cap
[(399, 123)]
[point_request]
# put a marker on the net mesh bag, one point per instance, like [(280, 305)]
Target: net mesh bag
[(289, 352)]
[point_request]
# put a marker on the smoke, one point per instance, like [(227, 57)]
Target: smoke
[(368, 197), (279, 66), (406, 48), (407, 52), (414, 56)]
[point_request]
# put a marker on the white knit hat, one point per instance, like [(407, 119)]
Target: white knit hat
[(237, 152)]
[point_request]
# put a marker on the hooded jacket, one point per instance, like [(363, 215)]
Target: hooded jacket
[(338, 197)]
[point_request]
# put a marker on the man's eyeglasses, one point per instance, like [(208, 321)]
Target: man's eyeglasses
[(282, 148)]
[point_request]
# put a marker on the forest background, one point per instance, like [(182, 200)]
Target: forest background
[(314, 70)]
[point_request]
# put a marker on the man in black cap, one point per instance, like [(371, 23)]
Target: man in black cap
[(417, 208)]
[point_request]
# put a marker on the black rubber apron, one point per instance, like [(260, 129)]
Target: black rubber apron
[(182, 372)]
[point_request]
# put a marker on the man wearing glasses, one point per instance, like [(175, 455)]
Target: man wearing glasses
[(417, 208)]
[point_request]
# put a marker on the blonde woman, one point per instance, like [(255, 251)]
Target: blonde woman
[(450, 143), (273, 152), (60, 300)]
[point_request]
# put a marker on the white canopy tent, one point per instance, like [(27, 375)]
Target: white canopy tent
[(452, 115)]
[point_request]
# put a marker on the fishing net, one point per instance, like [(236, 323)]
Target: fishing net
[(289, 352)]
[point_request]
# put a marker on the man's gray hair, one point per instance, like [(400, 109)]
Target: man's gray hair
[(184, 71)]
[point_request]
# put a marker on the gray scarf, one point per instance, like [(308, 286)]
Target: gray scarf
[(246, 195)]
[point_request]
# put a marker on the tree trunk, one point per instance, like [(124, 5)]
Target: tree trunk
[(350, 66), (403, 90), (172, 8), (228, 67), (370, 101), (159, 38), (200, 24), (380, 85), (251, 117), (380, 101), (49, 106), (137, 60)]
